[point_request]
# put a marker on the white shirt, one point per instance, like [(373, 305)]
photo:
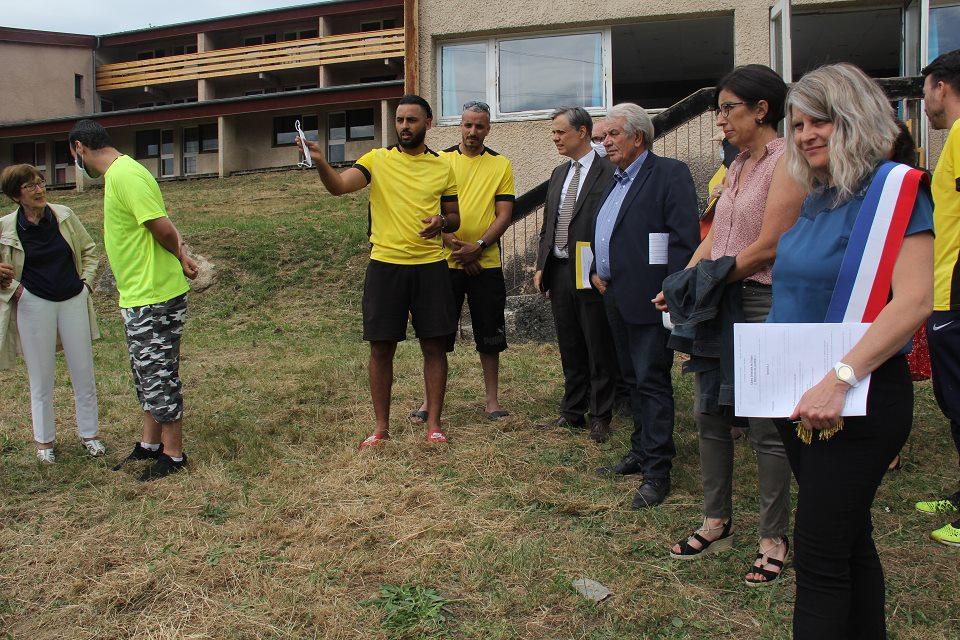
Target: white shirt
[(585, 163)]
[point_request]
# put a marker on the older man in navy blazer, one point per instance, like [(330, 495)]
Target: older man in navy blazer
[(646, 229)]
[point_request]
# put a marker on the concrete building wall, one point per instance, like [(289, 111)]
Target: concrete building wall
[(527, 142), (35, 91)]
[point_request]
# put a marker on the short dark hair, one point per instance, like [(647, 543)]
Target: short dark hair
[(412, 98), (904, 147), (753, 83), (91, 134), (946, 69), (15, 176), (576, 116)]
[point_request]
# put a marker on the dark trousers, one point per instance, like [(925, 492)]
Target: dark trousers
[(943, 337), (645, 363), (840, 588), (586, 347)]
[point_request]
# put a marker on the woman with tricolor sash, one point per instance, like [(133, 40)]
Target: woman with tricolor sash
[(861, 251)]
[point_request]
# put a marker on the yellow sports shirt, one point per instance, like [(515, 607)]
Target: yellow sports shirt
[(482, 181), (946, 224), (404, 189)]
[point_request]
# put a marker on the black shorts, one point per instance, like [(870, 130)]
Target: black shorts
[(486, 294), (391, 292), (943, 338)]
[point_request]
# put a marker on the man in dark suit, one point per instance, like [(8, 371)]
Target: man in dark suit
[(646, 228), (583, 334)]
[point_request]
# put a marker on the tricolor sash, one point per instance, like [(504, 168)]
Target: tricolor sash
[(863, 285)]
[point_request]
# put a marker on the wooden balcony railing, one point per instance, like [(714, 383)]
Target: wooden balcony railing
[(219, 63)]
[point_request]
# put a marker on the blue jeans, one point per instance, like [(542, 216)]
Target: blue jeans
[(645, 363)]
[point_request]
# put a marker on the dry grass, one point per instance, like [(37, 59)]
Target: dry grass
[(282, 530)]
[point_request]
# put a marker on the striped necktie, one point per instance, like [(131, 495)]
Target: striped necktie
[(566, 209)]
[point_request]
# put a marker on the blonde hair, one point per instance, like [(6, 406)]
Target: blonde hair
[(863, 127)]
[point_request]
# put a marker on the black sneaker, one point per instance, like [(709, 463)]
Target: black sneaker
[(163, 467), (140, 453)]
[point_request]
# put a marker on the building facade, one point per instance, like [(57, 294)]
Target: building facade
[(532, 56), (218, 96), (210, 97)]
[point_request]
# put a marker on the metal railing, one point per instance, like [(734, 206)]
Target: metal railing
[(683, 131)]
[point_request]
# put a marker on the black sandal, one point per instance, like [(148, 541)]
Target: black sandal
[(418, 417), (768, 575), (723, 543)]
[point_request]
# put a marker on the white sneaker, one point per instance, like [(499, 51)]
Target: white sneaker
[(46, 456), (94, 447)]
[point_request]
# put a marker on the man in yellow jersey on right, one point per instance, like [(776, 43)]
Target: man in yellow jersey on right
[(485, 193), (941, 97)]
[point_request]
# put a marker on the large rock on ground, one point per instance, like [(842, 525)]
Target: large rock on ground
[(206, 277)]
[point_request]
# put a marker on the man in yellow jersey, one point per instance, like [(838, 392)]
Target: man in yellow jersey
[(485, 196), (413, 199), (941, 97), (149, 263)]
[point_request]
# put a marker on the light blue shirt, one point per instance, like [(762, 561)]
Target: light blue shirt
[(607, 217)]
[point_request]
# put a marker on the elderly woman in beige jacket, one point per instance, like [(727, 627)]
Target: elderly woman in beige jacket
[(49, 261)]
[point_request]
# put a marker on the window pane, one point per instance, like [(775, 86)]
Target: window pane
[(166, 167), (61, 152), (360, 124), (335, 153), (23, 153), (463, 70), (167, 145), (309, 33), (148, 144), (284, 131), (944, 30), (60, 176), (337, 126), (209, 137), (543, 73), (311, 130), (189, 165), (191, 140)]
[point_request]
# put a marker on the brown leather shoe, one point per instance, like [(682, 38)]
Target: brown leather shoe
[(599, 430)]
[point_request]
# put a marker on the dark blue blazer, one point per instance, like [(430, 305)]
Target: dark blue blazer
[(661, 199)]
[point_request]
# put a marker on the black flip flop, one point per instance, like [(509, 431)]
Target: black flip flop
[(418, 417), (497, 415)]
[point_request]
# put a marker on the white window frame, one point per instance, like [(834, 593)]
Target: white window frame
[(492, 45)]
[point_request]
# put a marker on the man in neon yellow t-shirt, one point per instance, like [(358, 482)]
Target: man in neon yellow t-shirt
[(149, 263), (941, 98)]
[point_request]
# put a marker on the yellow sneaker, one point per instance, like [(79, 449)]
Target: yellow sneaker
[(950, 504), (948, 534)]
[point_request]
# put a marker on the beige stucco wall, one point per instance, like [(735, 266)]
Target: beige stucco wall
[(36, 91), (527, 143)]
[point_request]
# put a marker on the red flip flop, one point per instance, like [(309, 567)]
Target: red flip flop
[(436, 437), (373, 440)]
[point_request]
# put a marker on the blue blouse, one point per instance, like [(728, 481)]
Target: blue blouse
[(810, 253)]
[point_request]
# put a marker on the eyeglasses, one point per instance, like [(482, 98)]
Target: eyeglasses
[(726, 108), (476, 104), (36, 185)]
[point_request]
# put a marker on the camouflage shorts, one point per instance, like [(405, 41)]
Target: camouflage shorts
[(153, 339)]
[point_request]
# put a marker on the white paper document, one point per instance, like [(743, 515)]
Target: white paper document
[(584, 262), (775, 364), (658, 247)]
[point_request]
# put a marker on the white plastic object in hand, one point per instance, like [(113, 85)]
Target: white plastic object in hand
[(307, 161), (667, 323)]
